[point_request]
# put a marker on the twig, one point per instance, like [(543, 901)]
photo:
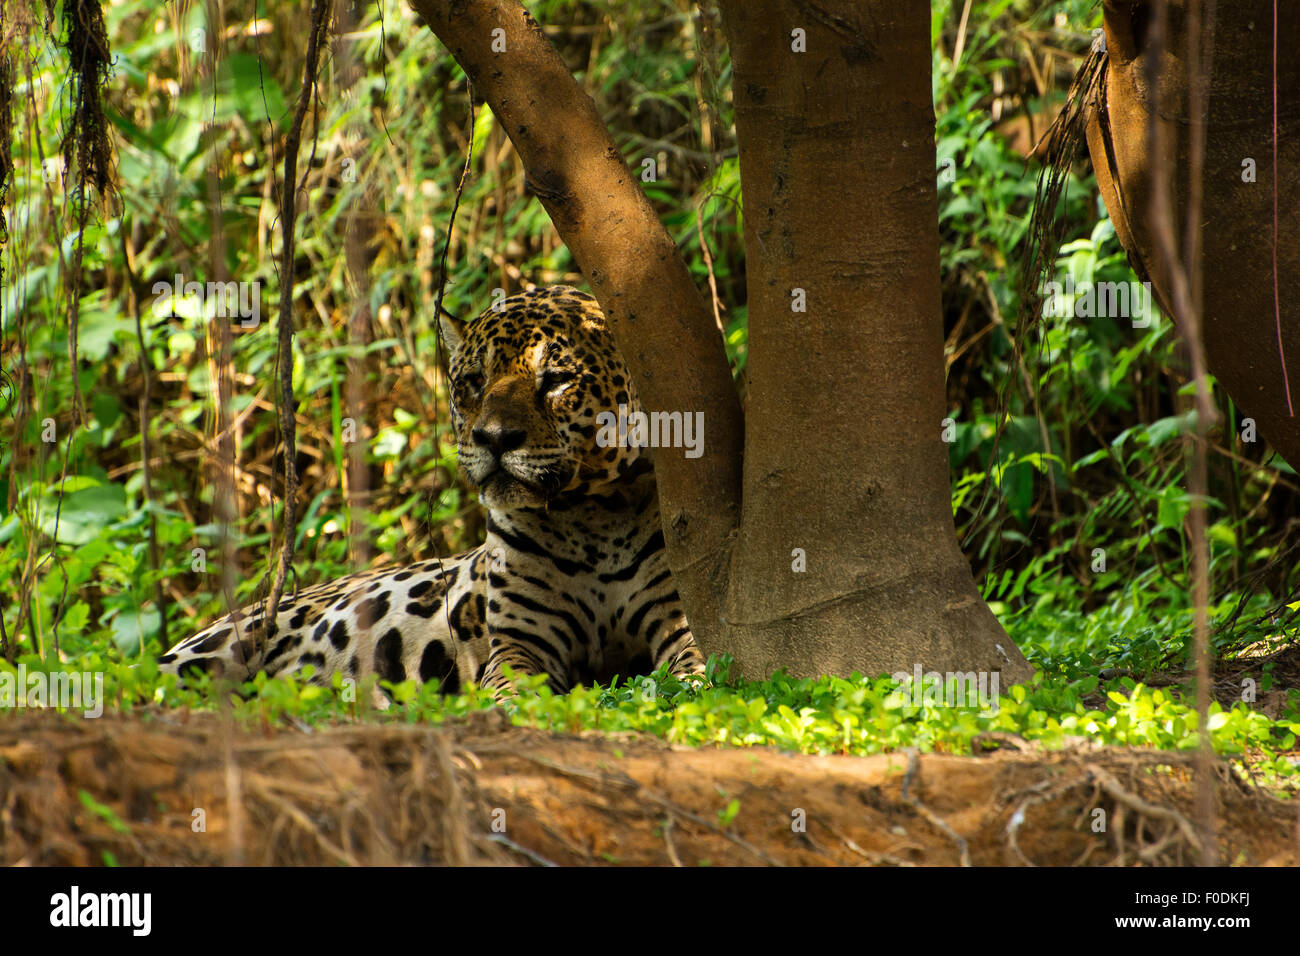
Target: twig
[(455, 816), (1039, 793), (668, 841), (913, 772), (521, 850), (296, 815), (320, 20), (875, 858), (146, 401), (708, 265), (1184, 276)]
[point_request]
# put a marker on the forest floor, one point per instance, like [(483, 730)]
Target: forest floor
[(170, 788)]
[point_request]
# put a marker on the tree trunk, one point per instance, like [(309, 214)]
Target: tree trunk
[(661, 323), (843, 458), (1251, 323)]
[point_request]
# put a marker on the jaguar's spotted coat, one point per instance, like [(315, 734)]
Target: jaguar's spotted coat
[(571, 580)]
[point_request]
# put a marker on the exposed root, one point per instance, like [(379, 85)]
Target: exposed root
[(172, 791), (1161, 835), (637, 790), (936, 821), (521, 850), (875, 859), (668, 841), (1145, 810)]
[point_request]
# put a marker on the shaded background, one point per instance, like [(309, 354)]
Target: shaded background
[(196, 104)]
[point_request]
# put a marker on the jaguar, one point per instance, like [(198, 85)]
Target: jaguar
[(571, 580)]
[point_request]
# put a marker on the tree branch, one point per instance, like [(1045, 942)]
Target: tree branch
[(659, 319)]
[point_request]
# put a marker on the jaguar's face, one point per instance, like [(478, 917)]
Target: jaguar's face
[(528, 380)]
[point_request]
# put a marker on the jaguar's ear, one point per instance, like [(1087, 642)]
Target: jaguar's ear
[(453, 332)]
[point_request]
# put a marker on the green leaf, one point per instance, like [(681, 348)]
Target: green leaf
[(103, 811), (1174, 505), (483, 124), (106, 408), (84, 513), (130, 627), (728, 814), (97, 327), (1161, 430), (257, 97)]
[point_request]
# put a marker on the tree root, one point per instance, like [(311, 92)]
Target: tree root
[(626, 784), (1163, 835), (936, 821)]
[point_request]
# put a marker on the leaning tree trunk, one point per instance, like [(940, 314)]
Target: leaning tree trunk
[(845, 557), (1251, 318), (661, 323), (844, 460)]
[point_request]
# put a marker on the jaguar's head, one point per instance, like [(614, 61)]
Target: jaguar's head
[(528, 379)]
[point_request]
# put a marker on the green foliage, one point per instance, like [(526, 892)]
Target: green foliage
[(1067, 427), (1069, 475), (197, 171), (828, 715)]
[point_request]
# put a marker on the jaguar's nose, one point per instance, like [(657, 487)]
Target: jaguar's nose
[(498, 438)]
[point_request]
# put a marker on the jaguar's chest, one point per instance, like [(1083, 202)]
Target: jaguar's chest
[(578, 576)]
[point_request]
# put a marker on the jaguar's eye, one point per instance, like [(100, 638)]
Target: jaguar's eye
[(473, 382), (555, 378)]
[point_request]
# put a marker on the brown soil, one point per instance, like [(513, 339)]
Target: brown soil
[(72, 791)]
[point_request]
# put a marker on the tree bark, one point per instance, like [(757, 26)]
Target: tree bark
[(843, 456), (636, 273), (1248, 331)]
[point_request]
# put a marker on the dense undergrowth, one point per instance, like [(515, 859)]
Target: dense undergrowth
[(1072, 513)]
